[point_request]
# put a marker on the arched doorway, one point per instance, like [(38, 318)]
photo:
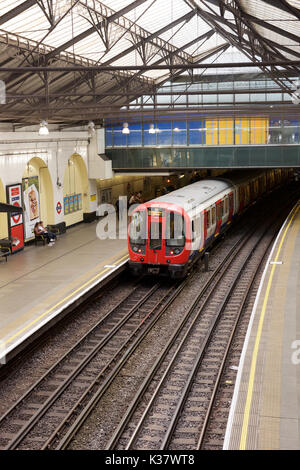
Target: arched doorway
[(37, 187), (76, 190), (3, 216)]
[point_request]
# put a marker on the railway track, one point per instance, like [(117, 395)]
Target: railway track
[(185, 381), (53, 410), (35, 420), (42, 418)]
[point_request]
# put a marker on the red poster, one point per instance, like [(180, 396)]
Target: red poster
[(15, 220), (17, 236)]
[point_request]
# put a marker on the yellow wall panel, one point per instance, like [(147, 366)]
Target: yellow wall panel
[(76, 182), (222, 131), (212, 132)]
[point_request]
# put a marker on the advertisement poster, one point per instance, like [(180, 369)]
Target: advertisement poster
[(15, 220), (80, 202), (31, 204), (71, 204), (17, 235), (76, 202), (66, 205)]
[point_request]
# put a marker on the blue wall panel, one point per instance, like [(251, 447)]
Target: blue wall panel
[(164, 133), (197, 132)]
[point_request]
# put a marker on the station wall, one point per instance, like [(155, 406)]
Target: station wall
[(63, 169), (27, 158)]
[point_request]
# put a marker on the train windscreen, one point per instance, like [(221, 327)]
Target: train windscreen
[(138, 228), (175, 229)]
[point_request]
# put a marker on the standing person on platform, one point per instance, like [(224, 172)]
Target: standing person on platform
[(139, 198), (133, 199)]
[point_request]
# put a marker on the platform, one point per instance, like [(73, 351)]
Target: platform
[(265, 411), (39, 284)]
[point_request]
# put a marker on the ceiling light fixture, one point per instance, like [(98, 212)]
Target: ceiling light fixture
[(43, 130), (125, 129), (151, 129)]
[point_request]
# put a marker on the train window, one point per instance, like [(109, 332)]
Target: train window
[(193, 231), (175, 229), (226, 205), (213, 215), (242, 194), (198, 226), (155, 235), (138, 228), (208, 219)]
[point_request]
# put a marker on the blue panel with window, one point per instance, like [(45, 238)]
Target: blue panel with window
[(179, 133), (150, 137), (119, 139), (164, 133), (290, 131), (197, 132), (135, 136), (108, 137)]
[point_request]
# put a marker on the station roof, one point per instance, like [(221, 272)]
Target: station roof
[(77, 60)]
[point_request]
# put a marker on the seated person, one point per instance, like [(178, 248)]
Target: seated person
[(39, 229)]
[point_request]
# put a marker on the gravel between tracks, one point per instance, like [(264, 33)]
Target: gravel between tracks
[(99, 427), (65, 334)]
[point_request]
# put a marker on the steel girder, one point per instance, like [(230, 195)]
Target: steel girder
[(284, 6), (253, 47)]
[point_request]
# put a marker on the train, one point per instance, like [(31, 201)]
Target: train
[(168, 234)]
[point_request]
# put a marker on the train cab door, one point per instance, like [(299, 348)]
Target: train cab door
[(155, 231), (219, 217)]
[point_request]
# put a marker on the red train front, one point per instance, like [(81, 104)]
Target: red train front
[(158, 239)]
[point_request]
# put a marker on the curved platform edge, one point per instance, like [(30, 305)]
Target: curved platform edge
[(239, 429)]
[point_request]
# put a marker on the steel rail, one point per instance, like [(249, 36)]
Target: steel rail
[(222, 266), (113, 441), (93, 402), (207, 340), (34, 419), (229, 344)]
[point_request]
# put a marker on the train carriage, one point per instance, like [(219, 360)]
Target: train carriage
[(167, 234)]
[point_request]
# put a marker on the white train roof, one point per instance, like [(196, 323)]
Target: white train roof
[(196, 193)]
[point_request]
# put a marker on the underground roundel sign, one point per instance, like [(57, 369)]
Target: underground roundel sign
[(58, 207), (16, 217)]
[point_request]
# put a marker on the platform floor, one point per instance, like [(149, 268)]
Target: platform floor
[(38, 283), (265, 411)]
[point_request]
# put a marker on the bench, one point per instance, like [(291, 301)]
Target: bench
[(2, 255), (39, 238), (5, 248)]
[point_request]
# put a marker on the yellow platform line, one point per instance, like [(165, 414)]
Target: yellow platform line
[(18, 333), (244, 431)]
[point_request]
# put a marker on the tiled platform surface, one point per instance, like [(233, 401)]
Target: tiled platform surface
[(36, 284), (265, 411)]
